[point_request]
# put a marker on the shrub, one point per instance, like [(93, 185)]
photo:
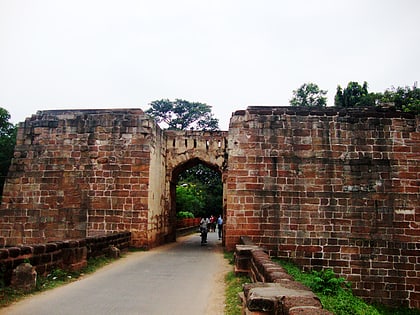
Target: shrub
[(327, 283), (335, 294), (184, 215)]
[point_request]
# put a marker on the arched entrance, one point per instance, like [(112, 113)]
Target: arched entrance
[(198, 190), (186, 149)]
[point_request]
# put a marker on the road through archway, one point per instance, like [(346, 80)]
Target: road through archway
[(178, 278)]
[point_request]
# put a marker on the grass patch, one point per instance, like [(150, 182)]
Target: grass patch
[(335, 293), (229, 256), (234, 285), (55, 278)]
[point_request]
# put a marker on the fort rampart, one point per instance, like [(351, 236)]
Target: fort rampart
[(328, 188), (331, 189)]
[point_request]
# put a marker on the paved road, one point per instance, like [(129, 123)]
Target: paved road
[(178, 278)]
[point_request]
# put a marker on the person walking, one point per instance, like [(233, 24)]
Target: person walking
[(212, 226), (220, 226), (203, 228)]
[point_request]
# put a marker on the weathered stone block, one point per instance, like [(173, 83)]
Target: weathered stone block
[(113, 252), (24, 277), (294, 300), (277, 299), (308, 310)]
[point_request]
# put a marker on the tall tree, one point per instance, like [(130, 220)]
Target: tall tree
[(198, 190), (183, 115), (354, 95), (7, 145), (309, 95)]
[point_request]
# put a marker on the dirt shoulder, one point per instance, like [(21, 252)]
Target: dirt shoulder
[(217, 298)]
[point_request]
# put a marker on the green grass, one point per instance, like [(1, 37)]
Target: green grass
[(335, 293), (229, 256), (55, 278), (234, 285)]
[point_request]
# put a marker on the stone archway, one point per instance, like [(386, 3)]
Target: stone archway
[(186, 149), (174, 181)]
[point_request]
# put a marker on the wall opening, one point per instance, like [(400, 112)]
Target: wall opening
[(197, 190)]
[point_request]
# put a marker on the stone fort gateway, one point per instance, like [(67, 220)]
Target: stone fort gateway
[(332, 188)]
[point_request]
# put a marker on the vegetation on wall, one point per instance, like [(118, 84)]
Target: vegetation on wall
[(335, 293), (7, 145), (406, 99), (354, 95)]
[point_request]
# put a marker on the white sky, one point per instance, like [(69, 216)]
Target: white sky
[(229, 54)]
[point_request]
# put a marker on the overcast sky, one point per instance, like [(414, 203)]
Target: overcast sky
[(228, 54)]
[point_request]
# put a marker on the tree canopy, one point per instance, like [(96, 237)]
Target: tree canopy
[(309, 95), (406, 98), (200, 191), (354, 95), (197, 191), (183, 115), (7, 144)]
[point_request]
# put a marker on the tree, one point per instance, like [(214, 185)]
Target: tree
[(309, 95), (355, 95), (190, 198), (183, 115), (192, 194), (7, 145), (210, 183), (404, 98)]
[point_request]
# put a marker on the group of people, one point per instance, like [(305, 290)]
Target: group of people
[(209, 224)]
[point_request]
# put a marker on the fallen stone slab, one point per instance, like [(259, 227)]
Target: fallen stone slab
[(274, 298)]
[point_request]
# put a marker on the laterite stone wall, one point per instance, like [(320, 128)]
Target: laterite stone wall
[(81, 173), (331, 189), (328, 188), (67, 255)]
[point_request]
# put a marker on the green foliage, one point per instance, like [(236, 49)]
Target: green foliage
[(406, 99), (309, 95), (184, 215), (206, 181), (383, 310), (58, 275), (234, 285), (230, 256), (201, 174), (183, 115), (403, 98), (335, 294), (327, 283), (345, 303), (190, 198), (7, 145), (354, 95)]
